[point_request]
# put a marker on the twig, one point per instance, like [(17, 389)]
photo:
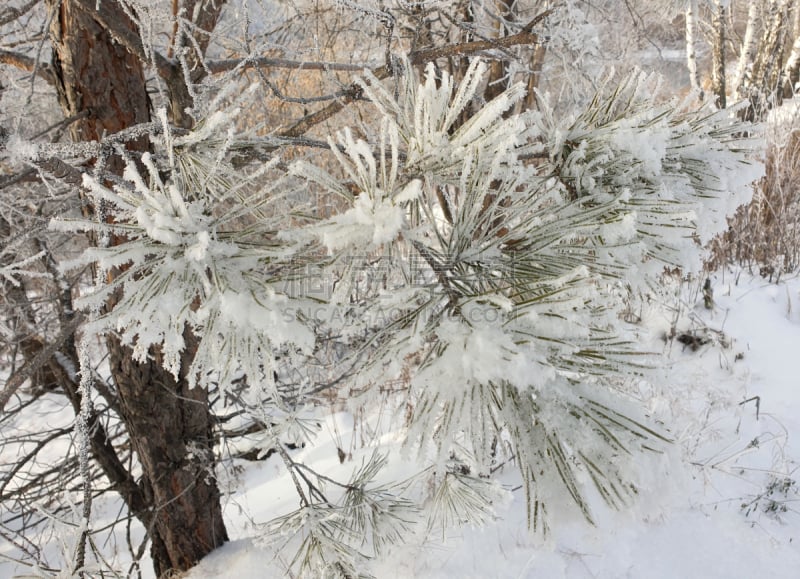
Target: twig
[(82, 429), (290, 467), (11, 13), (42, 357), (63, 172), (417, 57), (26, 63), (26, 175), (298, 100), (218, 66), (757, 401), (61, 124)]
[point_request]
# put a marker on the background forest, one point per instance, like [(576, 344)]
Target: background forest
[(389, 267)]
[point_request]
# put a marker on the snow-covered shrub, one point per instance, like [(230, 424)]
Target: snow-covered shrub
[(496, 248)]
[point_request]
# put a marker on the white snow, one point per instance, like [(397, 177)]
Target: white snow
[(703, 519), (705, 513)]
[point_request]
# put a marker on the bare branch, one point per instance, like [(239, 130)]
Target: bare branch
[(525, 37), (28, 175), (42, 357), (11, 13), (63, 172), (218, 66), (26, 63), (195, 20), (60, 125)]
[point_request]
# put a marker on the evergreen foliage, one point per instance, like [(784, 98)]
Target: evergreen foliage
[(477, 251)]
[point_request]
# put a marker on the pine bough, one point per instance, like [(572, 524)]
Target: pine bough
[(476, 252)]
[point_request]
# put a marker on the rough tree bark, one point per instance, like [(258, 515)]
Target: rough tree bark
[(170, 426), (192, 43), (171, 430)]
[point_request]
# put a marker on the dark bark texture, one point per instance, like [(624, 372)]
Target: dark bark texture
[(95, 74), (171, 430), (170, 425)]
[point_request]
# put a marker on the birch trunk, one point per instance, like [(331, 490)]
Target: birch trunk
[(746, 54), (691, 47), (767, 77)]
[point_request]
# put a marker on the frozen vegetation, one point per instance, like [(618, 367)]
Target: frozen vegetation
[(454, 322)]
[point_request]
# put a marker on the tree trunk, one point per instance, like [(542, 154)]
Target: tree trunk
[(192, 45), (96, 75), (498, 79), (791, 70), (766, 79), (691, 48), (171, 430), (169, 425), (746, 53), (718, 85)]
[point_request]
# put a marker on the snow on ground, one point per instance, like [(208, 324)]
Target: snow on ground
[(728, 507), (724, 505)]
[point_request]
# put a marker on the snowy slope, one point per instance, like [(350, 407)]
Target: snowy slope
[(707, 514)]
